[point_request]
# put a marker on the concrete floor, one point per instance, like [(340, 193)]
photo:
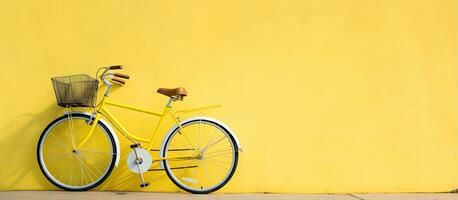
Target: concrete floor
[(59, 195)]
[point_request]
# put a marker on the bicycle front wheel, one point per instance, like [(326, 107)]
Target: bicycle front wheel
[(201, 157), (71, 168)]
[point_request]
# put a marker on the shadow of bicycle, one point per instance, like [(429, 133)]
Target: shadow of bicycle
[(19, 168)]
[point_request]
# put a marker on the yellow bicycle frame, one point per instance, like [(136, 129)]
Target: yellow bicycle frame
[(103, 110)]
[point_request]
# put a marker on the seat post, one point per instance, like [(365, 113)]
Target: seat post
[(169, 103)]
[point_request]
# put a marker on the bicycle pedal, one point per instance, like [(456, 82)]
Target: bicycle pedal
[(135, 145), (145, 184)]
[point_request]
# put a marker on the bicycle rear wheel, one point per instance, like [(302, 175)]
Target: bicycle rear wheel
[(75, 169), (202, 157)]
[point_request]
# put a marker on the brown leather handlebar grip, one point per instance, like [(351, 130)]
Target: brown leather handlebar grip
[(122, 75), (117, 80), (116, 67)]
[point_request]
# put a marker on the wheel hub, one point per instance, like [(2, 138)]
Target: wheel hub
[(76, 152), (200, 156)]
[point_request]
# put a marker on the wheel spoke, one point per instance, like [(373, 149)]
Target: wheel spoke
[(219, 155), (97, 152), (200, 135), (56, 155), (220, 168), (81, 172), (219, 161), (60, 141), (214, 143), (71, 174), (87, 169), (70, 127), (97, 165), (92, 139)]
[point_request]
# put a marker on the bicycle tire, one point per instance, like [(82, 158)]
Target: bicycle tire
[(220, 184), (53, 180)]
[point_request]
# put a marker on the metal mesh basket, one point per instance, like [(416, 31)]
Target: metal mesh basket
[(75, 90)]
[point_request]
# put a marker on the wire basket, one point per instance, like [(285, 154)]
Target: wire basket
[(75, 90)]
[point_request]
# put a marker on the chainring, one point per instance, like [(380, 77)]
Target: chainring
[(144, 156)]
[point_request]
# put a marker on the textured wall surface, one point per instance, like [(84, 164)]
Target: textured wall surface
[(326, 96)]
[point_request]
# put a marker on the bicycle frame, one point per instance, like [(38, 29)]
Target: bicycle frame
[(103, 110)]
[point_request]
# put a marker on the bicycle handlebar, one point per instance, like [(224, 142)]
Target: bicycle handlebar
[(107, 77), (115, 67), (119, 81), (125, 76)]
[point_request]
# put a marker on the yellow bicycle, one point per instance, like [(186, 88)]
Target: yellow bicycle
[(79, 150)]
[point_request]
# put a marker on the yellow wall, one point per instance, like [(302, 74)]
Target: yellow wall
[(326, 96)]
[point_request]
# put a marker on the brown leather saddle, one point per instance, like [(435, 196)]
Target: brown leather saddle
[(175, 92)]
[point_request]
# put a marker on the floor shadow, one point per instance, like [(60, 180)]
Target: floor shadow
[(19, 168)]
